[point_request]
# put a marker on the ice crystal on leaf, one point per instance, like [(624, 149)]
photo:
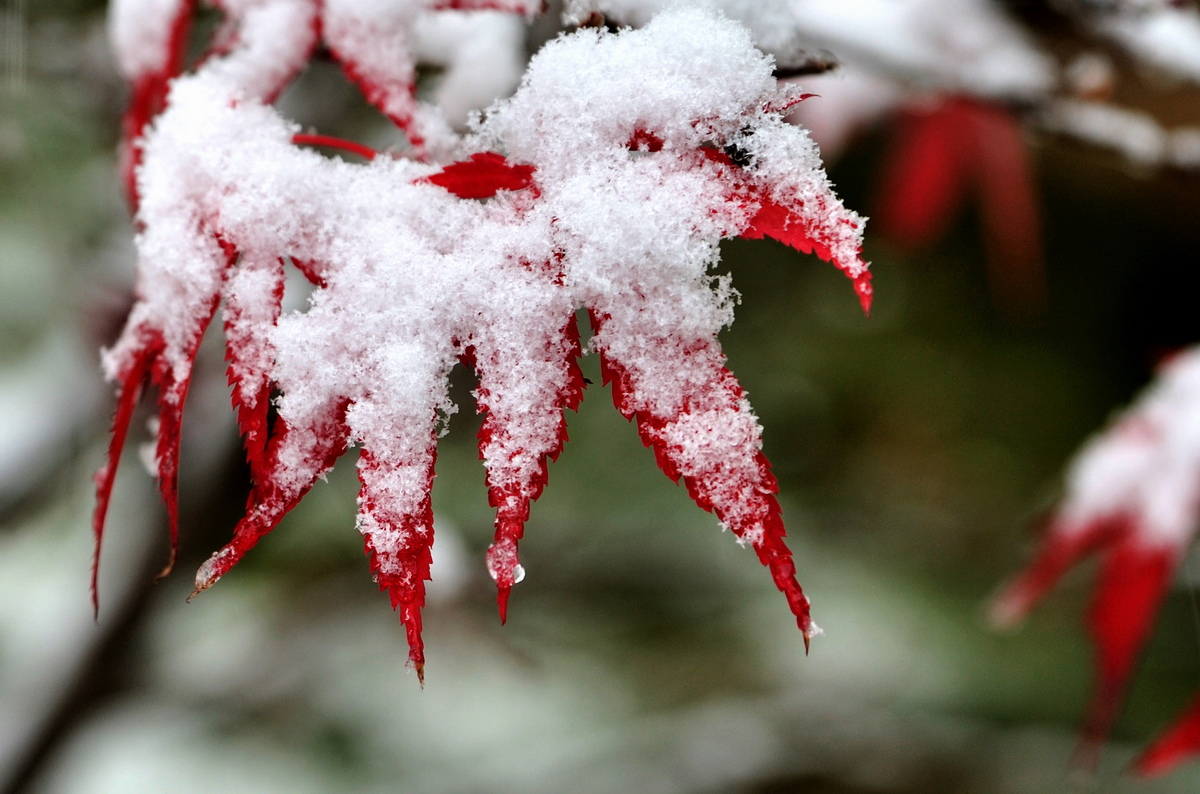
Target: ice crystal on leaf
[(1133, 494), (605, 183)]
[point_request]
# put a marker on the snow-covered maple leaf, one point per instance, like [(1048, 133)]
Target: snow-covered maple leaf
[(605, 183), (1133, 495)]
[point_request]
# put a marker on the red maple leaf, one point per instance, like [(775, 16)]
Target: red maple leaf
[(1133, 496), (938, 156), (483, 176)]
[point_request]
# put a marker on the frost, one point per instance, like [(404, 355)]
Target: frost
[(605, 183)]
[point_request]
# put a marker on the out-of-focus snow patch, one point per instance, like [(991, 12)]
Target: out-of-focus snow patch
[(847, 101), (1160, 35), (771, 22), (146, 747), (1090, 75), (47, 631), (450, 570), (43, 399), (1147, 464), (968, 46), (140, 32), (1134, 134), (1184, 148)]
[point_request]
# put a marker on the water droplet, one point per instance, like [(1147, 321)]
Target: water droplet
[(518, 573)]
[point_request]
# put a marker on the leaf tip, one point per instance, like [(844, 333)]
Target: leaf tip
[(1008, 610), (170, 566), (810, 631), (1179, 743), (502, 594)]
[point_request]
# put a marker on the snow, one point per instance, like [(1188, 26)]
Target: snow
[(1134, 134), (848, 100), (1183, 148), (482, 55), (374, 38), (606, 183), (1161, 35), (379, 42), (273, 41), (140, 32), (968, 46)]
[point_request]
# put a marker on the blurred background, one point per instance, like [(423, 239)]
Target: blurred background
[(645, 651)]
